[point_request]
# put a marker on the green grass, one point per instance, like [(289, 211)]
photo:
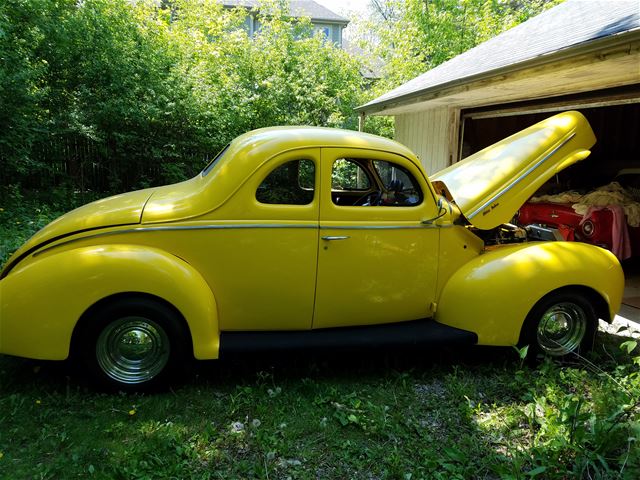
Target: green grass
[(477, 413), (405, 415)]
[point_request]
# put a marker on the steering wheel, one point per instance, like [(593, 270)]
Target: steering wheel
[(369, 199)]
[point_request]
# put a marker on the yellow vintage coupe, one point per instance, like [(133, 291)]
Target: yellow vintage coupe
[(298, 237)]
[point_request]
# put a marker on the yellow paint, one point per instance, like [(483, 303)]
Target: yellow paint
[(493, 293), (229, 262), (125, 209), (42, 300), (385, 270), (490, 186), (457, 247)]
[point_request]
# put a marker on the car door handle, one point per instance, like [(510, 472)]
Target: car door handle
[(337, 237)]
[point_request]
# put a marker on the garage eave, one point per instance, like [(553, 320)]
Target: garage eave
[(461, 88)]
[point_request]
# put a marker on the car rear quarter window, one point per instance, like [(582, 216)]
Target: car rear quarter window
[(292, 183)]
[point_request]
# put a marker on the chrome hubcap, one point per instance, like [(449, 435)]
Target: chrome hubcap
[(132, 350), (562, 328)]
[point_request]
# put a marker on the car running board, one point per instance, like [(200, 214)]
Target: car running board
[(425, 332)]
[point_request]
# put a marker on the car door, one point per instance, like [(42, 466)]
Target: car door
[(262, 264), (377, 261)]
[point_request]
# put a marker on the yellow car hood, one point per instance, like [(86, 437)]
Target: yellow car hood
[(491, 185)]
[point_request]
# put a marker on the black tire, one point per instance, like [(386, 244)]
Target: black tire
[(132, 344), (562, 324)]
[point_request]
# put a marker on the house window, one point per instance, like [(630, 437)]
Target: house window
[(325, 31)]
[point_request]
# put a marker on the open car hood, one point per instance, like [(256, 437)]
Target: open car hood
[(491, 185)]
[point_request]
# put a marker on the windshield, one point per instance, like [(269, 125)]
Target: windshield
[(213, 162)]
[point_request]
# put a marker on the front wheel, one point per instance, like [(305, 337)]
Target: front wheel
[(561, 324), (133, 344)]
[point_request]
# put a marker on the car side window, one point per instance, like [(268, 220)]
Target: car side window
[(348, 175), (292, 183), (362, 182), (400, 188)]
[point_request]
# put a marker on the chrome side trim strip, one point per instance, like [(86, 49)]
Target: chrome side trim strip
[(167, 228), (371, 227), (174, 227), (216, 227), (520, 178), (383, 227)]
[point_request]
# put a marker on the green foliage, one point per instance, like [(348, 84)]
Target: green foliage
[(24, 213), (112, 94), (283, 75), (25, 27), (413, 36)]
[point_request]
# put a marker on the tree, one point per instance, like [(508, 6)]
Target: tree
[(153, 88), (283, 75), (413, 36), (25, 29)]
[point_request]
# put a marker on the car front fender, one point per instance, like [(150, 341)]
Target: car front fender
[(41, 302), (492, 294)]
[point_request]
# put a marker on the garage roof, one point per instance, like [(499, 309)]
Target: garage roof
[(563, 28)]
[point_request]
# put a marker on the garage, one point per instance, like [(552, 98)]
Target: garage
[(615, 118), (579, 55)]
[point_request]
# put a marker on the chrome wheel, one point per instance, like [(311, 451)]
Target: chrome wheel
[(562, 328), (132, 350)]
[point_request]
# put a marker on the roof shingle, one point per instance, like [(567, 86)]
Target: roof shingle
[(572, 23)]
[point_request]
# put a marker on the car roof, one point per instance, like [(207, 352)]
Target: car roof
[(246, 154), (279, 139)]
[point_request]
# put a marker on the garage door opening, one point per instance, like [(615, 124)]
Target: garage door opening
[(582, 200)]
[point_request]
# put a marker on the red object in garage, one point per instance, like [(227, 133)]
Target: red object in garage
[(597, 228)]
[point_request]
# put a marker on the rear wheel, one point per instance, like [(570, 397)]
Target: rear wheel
[(133, 344), (561, 324)]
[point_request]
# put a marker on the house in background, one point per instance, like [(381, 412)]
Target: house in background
[(581, 54), (324, 20)]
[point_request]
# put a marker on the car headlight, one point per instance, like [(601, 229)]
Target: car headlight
[(588, 228)]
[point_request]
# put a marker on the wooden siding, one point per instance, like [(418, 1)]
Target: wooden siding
[(615, 67), (429, 134)]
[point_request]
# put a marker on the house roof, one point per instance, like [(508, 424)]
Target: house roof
[(565, 27), (299, 8)]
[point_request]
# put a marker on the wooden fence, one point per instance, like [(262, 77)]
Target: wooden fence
[(89, 165)]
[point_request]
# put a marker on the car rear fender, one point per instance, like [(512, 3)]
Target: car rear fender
[(42, 302), (492, 294)]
